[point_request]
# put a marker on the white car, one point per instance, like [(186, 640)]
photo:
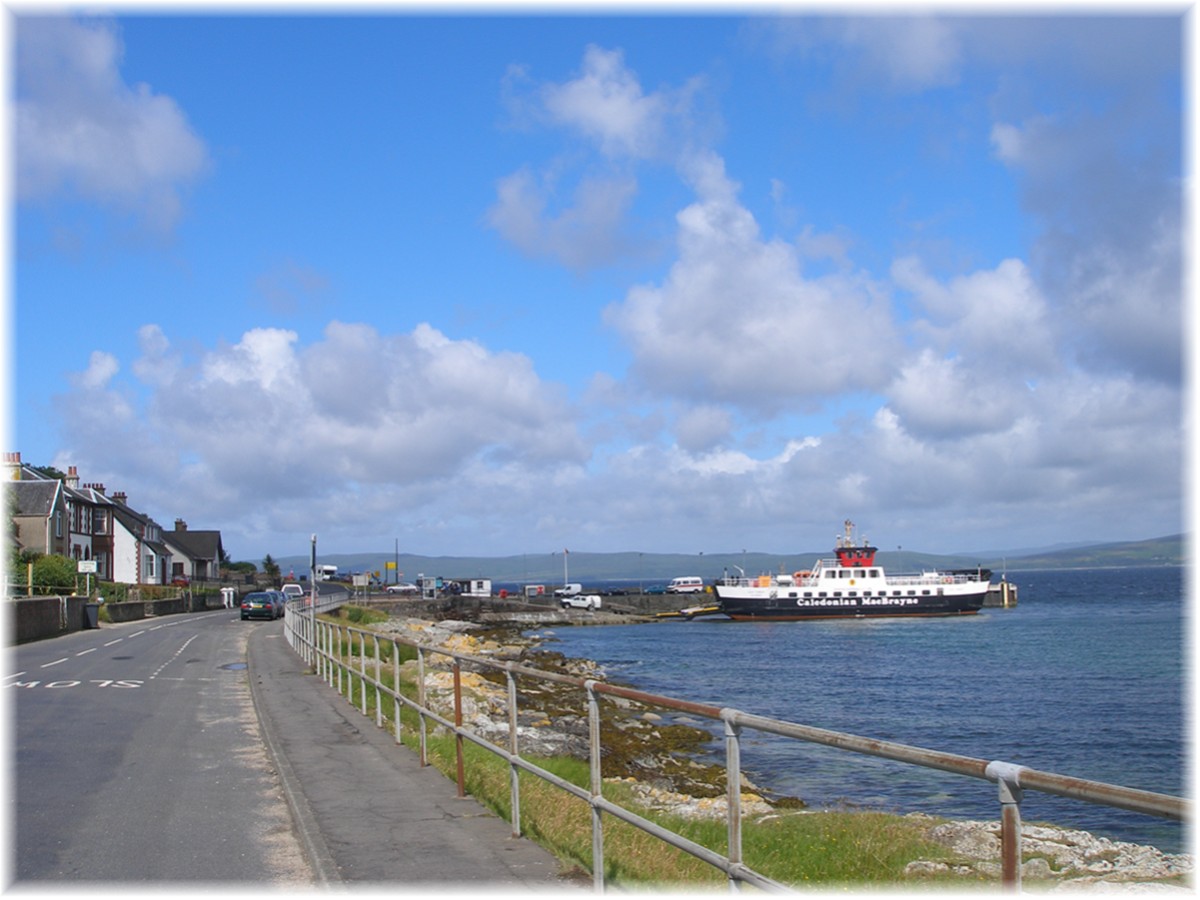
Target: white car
[(402, 588), (293, 591), (581, 601)]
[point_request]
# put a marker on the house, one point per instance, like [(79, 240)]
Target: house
[(39, 515), (81, 521), (139, 554), (195, 555)]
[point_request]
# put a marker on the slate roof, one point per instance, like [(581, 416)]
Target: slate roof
[(196, 544), (34, 498)]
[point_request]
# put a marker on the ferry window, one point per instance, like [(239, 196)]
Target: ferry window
[(837, 593), (874, 573), (941, 592), (895, 593), (808, 593), (925, 593), (860, 573), (822, 594), (854, 593)]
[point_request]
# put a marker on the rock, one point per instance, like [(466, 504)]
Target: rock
[(1068, 856)]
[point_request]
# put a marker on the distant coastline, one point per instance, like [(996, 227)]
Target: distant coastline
[(632, 566)]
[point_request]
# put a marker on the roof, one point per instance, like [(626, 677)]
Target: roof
[(196, 544), (34, 498)]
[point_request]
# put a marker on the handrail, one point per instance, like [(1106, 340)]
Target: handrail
[(316, 640)]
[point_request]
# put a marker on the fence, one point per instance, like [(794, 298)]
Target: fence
[(320, 641)]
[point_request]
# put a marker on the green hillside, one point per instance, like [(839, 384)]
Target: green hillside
[(658, 568)]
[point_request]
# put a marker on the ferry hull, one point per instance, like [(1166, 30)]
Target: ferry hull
[(759, 604)]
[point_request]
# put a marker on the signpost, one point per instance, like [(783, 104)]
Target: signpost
[(87, 567)]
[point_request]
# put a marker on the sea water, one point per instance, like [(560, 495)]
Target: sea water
[(1088, 676)]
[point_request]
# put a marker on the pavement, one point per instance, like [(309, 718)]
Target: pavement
[(366, 811)]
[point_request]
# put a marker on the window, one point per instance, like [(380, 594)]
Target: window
[(58, 523)]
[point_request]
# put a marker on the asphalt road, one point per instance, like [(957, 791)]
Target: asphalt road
[(138, 758)]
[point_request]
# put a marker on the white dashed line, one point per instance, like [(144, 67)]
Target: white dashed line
[(86, 652), (55, 663), (117, 641)]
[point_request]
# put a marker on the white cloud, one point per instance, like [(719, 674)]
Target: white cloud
[(370, 426), (587, 233), (735, 321), (578, 214), (80, 129), (606, 104)]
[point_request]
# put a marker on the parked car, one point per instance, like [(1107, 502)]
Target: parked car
[(581, 601), (688, 584), (655, 589), (402, 588), (281, 601), (260, 605), (568, 590), (293, 591), (180, 581)]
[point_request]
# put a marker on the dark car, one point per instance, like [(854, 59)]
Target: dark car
[(260, 605), (655, 589)]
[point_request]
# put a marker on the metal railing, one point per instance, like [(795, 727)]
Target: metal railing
[(320, 641)]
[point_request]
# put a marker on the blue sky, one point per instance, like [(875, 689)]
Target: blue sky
[(509, 283)]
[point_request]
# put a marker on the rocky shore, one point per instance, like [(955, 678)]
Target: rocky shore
[(664, 761)]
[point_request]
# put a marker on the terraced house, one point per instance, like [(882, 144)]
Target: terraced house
[(59, 515)]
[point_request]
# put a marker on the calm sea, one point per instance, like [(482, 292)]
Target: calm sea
[(1088, 676)]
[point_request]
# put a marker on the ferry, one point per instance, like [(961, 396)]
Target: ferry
[(852, 585)]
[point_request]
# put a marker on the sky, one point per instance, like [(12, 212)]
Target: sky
[(487, 283)]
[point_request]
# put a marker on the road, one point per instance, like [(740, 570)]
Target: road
[(138, 759)]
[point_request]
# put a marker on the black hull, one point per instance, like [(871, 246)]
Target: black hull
[(785, 609)]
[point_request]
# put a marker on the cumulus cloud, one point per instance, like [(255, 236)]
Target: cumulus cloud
[(369, 425), (580, 218), (736, 321), (81, 130), (589, 231)]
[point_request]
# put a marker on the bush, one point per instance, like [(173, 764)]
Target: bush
[(54, 574)]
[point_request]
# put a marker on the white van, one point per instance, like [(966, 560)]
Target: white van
[(688, 584)]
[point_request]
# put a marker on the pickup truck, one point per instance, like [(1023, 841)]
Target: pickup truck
[(581, 601)]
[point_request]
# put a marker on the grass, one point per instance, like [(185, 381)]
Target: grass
[(816, 849)]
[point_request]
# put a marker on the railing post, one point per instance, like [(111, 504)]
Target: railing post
[(1008, 777), (396, 686), (362, 671), (514, 773), (733, 794), (597, 786), (340, 665), (378, 684), (458, 738), (421, 703)]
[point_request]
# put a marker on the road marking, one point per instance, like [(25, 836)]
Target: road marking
[(136, 633), (86, 652), (174, 657), (117, 641), (17, 675), (55, 663)]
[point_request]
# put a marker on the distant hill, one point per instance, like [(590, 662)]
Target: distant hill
[(658, 568)]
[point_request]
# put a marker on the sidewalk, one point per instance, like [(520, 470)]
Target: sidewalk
[(366, 811)]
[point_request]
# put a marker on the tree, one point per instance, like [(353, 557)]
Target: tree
[(271, 569)]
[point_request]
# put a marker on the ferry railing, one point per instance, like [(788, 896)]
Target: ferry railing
[(328, 646)]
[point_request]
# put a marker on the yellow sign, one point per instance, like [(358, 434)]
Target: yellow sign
[(389, 565)]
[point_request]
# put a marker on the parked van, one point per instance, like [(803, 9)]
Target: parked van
[(688, 584)]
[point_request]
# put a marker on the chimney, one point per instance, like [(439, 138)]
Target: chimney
[(12, 462), (180, 525), (72, 477), (119, 497), (98, 488)]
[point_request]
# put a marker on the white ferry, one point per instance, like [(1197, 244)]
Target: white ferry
[(852, 586)]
